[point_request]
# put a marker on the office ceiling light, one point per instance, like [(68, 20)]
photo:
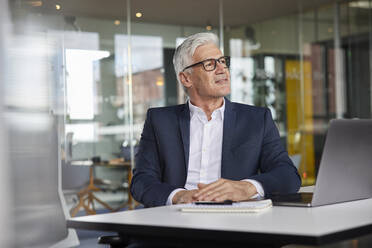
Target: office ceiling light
[(35, 3), (58, 7), (159, 81), (360, 4), (208, 26), (138, 14), (117, 22)]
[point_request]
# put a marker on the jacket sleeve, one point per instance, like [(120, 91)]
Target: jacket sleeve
[(278, 174), (147, 186)]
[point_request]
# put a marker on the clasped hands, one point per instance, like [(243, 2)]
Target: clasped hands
[(220, 190)]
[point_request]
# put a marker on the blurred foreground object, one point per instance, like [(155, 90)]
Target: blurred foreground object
[(30, 184), (6, 234)]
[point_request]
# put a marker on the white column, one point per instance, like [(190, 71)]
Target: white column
[(221, 26), (339, 66), (130, 83)]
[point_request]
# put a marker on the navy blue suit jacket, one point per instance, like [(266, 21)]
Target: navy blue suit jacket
[(251, 149)]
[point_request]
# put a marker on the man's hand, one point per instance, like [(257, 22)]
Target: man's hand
[(224, 189), (184, 196)]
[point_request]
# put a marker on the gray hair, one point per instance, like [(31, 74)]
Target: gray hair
[(184, 52)]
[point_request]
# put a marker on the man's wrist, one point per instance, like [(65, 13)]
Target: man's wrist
[(172, 195), (177, 196), (250, 190), (258, 186)]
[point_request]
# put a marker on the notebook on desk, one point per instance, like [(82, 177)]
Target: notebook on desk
[(345, 168), (235, 207)]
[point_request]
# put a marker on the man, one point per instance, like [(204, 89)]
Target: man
[(209, 149)]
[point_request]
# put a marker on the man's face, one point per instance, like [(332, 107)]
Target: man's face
[(208, 84)]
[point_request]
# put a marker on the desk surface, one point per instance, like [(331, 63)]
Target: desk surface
[(314, 226)]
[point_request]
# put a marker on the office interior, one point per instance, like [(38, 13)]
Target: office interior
[(77, 78)]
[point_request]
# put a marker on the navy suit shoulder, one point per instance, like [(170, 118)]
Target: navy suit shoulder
[(167, 109), (248, 107), (250, 111), (165, 115)]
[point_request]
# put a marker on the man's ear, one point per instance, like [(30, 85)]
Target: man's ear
[(185, 79)]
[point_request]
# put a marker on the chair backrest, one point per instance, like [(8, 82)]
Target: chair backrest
[(74, 177)]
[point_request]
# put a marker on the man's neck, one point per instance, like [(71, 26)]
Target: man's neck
[(208, 106)]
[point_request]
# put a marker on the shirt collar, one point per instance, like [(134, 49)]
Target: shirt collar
[(196, 111)]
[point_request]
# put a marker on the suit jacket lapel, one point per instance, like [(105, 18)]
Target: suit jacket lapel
[(228, 132), (184, 122)]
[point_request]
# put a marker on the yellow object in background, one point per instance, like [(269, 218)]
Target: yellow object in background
[(300, 127)]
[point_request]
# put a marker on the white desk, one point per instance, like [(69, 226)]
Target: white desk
[(284, 225)]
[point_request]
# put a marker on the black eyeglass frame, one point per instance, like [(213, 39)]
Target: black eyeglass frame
[(227, 58)]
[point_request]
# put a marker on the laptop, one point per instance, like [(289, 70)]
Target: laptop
[(345, 168)]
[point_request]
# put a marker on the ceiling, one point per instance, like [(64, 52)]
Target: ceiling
[(182, 12)]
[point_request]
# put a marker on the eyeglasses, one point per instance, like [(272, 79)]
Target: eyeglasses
[(210, 64)]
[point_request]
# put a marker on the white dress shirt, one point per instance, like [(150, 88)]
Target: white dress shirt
[(206, 150)]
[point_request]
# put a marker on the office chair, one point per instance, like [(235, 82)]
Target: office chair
[(74, 178), (114, 241)]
